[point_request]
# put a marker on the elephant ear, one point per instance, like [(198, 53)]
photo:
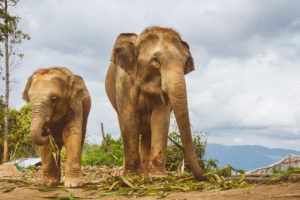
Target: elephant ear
[(189, 65), (27, 87), (78, 91), (123, 53)]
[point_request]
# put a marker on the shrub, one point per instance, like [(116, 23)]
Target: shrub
[(175, 154), (20, 144), (94, 154)]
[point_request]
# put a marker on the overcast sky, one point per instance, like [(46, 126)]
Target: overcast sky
[(246, 86)]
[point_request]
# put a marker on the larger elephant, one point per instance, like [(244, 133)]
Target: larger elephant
[(60, 107), (144, 83)]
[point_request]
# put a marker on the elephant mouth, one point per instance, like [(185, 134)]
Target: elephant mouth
[(46, 130), (164, 97)]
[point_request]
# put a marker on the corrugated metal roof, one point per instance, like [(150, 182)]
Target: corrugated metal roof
[(26, 162), (290, 160)]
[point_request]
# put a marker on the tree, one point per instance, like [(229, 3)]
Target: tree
[(20, 144), (12, 37)]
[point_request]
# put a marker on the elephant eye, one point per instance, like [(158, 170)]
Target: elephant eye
[(154, 59), (53, 99), (155, 62)]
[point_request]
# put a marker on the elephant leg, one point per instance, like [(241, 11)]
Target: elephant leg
[(160, 120), (86, 106), (130, 136), (51, 172), (145, 152), (72, 137)]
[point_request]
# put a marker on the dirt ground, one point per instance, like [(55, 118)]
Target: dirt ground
[(278, 192), (14, 185)]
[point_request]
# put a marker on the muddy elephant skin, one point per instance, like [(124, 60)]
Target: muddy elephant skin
[(60, 107), (144, 83)]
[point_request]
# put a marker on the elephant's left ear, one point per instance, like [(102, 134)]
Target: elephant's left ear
[(189, 65), (78, 90)]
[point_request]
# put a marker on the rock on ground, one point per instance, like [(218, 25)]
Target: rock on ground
[(9, 170)]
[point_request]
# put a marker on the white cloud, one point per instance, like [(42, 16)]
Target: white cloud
[(238, 140), (246, 84)]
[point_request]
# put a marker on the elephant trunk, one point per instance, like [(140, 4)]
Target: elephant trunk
[(176, 90), (37, 125)]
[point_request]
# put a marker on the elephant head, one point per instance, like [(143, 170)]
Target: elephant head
[(157, 61), (53, 93)]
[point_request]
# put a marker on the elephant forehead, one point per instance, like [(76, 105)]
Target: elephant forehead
[(49, 74), (163, 48), (49, 78), (48, 82)]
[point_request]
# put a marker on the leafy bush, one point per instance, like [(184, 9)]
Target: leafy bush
[(175, 154), (94, 154), (20, 144)]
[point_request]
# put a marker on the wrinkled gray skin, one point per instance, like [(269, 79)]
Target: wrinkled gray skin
[(144, 82)]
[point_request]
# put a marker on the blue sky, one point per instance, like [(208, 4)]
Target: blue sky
[(246, 86)]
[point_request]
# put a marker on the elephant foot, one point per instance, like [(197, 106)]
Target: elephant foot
[(50, 181), (51, 178), (131, 169), (157, 171), (74, 182), (144, 167), (157, 174), (128, 172), (144, 171)]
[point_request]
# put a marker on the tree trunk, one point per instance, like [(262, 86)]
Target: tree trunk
[(5, 150)]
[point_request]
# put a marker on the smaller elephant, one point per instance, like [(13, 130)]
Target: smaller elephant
[(60, 107)]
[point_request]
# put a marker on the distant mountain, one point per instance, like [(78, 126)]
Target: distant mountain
[(246, 157)]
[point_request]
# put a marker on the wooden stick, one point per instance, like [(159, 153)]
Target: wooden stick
[(176, 143), (102, 130), (104, 142)]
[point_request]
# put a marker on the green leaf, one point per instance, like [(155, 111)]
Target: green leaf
[(54, 150), (113, 185), (126, 181)]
